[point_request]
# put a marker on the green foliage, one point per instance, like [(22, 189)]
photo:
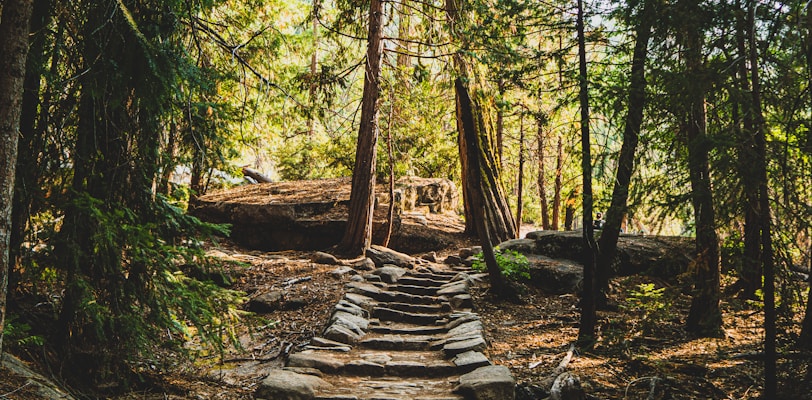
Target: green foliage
[(651, 304), (19, 333), (133, 293), (514, 265)]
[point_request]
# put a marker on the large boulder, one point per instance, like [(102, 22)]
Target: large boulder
[(557, 276), (662, 256), (383, 256), (492, 382)]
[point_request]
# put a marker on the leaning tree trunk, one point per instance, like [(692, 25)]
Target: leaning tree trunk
[(586, 330), (470, 124), (358, 234), (705, 316), (14, 25), (634, 119), (500, 223)]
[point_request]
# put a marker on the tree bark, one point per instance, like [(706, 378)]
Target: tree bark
[(500, 223), (358, 234), (542, 180), (14, 29), (805, 340), (750, 273), (466, 120), (500, 126), (768, 265), (33, 125), (559, 167), (586, 330), (520, 178), (634, 119), (705, 316), (390, 211)]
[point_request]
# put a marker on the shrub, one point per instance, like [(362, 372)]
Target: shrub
[(514, 265)]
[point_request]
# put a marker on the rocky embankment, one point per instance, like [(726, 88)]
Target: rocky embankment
[(312, 215)]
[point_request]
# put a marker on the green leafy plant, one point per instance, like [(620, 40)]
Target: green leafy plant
[(19, 333), (651, 303), (514, 265)]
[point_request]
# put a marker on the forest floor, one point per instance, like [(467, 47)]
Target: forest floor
[(642, 351)]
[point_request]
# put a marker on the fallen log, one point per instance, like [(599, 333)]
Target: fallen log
[(259, 177)]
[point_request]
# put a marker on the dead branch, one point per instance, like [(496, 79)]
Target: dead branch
[(294, 281)]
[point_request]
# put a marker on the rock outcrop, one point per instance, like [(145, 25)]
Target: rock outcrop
[(556, 258), (312, 215)]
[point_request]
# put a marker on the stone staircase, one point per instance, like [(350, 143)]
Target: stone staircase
[(397, 334)]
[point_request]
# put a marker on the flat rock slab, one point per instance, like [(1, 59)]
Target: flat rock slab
[(453, 290), (397, 342), (470, 360), (389, 273), (287, 385), (474, 344), (388, 314), (317, 360), (492, 382), (383, 256)]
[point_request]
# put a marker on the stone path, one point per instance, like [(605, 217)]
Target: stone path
[(398, 333)]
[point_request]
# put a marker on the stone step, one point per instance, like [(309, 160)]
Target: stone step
[(414, 289), (421, 308), (388, 314), (399, 342), (422, 281), (376, 362), (400, 297), (388, 388), (437, 276), (389, 327)]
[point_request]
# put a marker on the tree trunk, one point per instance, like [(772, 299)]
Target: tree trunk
[(750, 273), (467, 121), (500, 126), (705, 316), (586, 330), (358, 234), (545, 215), (404, 60), (32, 136), (390, 211), (500, 223), (314, 64), (634, 119), (805, 340), (14, 29), (569, 210), (770, 379), (559, 167), (520, 179)]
